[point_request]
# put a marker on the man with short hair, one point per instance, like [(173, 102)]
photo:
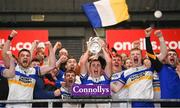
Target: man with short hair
[(4, 74), (93, 73), (69, 79), (63, 57), (21, 85), (8, 72), (168, 75), (117, 72), (137, 79), (71, 64)]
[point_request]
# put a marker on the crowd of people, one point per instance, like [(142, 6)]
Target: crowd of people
[(33, 74)]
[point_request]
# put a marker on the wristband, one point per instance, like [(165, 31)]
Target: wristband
[(10, 38)]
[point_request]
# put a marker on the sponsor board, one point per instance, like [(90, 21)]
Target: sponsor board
[(122, 40), (23, 39), (93, 91)]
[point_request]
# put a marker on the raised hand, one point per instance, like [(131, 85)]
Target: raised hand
[(58, 45), (48, 44), (148, 31), (13, 33), (57, 92), (88, 42), (158, 33), (63, 59), (35, 43), (102, 42)]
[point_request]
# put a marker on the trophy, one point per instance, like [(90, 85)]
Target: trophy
[(94, 45)]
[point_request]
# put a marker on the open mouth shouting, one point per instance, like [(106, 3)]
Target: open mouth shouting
[(72, 68), (136, 60), (116, 64), (95, 72), (25, 61), (71, 81), (172, 60)]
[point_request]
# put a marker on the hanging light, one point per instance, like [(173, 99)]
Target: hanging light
[(158, 14)]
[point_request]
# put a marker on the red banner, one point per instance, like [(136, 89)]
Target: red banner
[(122, 40), (23, 39)]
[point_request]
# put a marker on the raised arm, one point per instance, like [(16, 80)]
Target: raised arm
[(155, 61), (116, 86), (149, 49), (52, 60), (62, 59), (163, 48), (34, 46), (107, 57), (6, 48), (83, 61), (58, 45), (9, 73)]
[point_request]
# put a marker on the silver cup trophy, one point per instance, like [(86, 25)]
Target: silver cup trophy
[(94, 45)]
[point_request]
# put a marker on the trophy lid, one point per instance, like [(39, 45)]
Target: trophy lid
[(94, 47)]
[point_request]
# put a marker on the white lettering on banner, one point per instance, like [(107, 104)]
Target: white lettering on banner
[(99, 89), (173, 45), (27, 45), (128, 45), (2, 41), (19, 45)]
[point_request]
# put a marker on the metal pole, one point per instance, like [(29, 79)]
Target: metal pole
[(50, 104), (128, 104)]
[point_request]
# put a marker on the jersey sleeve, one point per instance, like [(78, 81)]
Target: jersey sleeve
[(2, 70), (115, 77), (153, 58), (122, 79), (37, 69)]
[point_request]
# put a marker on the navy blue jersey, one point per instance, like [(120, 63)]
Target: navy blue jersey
[(169, 80)]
